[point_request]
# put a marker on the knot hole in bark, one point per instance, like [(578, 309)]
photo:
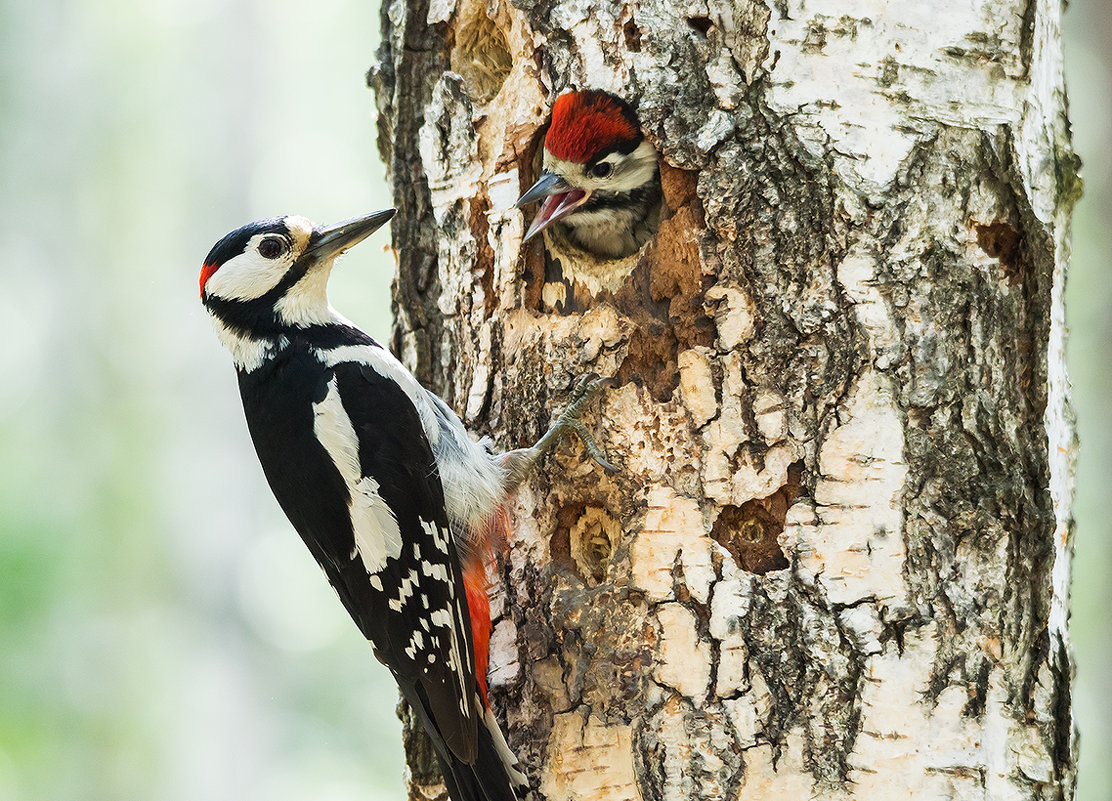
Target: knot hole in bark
[(751, 532), (585, 540), (593, 538), (481, 54)]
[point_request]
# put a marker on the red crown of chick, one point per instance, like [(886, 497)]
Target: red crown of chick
[(586, 123)]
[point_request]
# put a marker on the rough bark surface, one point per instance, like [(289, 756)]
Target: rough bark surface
[(835, 561)]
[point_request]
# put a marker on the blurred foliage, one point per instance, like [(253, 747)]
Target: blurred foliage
[(1088, 30), (165, 635)]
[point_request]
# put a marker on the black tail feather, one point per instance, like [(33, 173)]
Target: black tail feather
[(486, 779), (489, 777)]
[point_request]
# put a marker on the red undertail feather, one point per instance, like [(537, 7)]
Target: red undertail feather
[(586, 123), (476, 582)]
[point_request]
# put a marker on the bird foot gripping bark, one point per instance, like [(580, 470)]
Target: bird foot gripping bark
[(519, 462), (586, 389)]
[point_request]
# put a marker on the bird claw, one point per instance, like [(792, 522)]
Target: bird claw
[(587, 387), (519, 463), (593, 448)]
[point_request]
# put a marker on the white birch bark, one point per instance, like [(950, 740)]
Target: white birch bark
[(835, 562)]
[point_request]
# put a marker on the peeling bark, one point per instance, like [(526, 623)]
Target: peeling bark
[(835, 561)]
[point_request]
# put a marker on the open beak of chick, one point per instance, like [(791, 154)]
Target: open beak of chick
[(558, 200)]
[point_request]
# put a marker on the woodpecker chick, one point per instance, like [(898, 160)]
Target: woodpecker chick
[(399, 506), (600, 186)]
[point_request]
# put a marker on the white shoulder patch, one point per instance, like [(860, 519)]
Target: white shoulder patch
[(383, 362), (377, 535)]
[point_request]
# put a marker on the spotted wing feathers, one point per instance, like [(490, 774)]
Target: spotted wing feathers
[(401, 580)]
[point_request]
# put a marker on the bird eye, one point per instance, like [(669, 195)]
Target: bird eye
[(602, 170), (272, 247)]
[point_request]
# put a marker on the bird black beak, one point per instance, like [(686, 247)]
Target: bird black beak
[(332, 240), (560, 200)]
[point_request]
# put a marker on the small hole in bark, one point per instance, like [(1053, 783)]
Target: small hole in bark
[(750, 532), (481, 56), (701, 25), (592, 540), (999, 240), (560, 543), (632, 36)]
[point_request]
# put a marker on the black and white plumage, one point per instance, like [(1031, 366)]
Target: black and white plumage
[(600, 186), (376, 474)]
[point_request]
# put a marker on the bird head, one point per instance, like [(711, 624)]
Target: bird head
[(272, 274), (595, 160)]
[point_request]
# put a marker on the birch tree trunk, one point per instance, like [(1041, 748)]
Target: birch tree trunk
[(835, 562)]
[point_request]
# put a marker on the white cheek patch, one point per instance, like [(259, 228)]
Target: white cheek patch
[(631, 171), (637, 169), (306, 302), (248, 275)]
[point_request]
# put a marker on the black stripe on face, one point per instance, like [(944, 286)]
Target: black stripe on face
[(642, 196), (257, 318), (623, 147)]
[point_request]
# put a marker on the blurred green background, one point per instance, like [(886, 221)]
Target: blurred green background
[(1088, 35), (165, 636)]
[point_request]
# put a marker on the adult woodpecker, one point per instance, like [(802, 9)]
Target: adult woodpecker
[(600, 183), (396, 502)]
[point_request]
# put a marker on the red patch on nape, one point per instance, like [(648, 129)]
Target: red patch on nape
[(587, 123), (206, 273)]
